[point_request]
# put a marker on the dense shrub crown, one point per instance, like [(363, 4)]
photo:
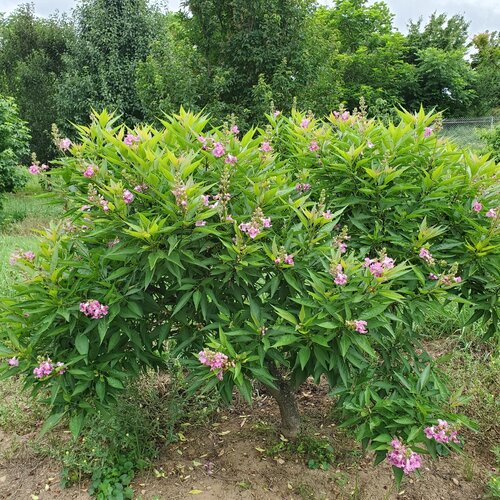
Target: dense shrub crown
[(310, 247)]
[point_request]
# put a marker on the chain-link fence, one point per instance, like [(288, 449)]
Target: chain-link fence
[(469, 131)]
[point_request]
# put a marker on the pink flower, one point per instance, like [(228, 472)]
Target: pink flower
[(403, 458), (64, 144), (476, 206), (200, 223), (201, 139), (229, 218), (14, 257), (313, 146), (288, 259), (276, 113), (426, 255), (104, 204), (34, 169), (277, 260), (89, 171), (60, 367), (266, 222), (370, 144), (218, 150), (360, 326), (442, 432), (29, 255), (44, 369), (94, 309), (85, 208), (327, 214), (341, 279), (433, 276), (457, 279), (230, 159), (205, 199), (13, 361), (140, 188), (303, 187), (377, 267), (253, 231), (491, 213), (427, 131), (235, 130), (305, 123), (217, 361), (128, 197), (131, 139), (265, 147), (342, 247)]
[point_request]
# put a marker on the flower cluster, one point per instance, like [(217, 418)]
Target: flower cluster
[(344, 116), (94, 309), (28, 255), (442, 432), (477, 207), (131, 139), (180, 195), (403, 458), (217, 361), (378, 266), (255, 226), (492, 213), (234, 130), (313, 146), (427, 132), (140, 188), (305, 123), (46, 368), (340, 240), (447, 279), (358, 325), (426, 256), (13, 361), (284, 258), (218, 150), (128, 197), (302, 188), (265, 147), (65, 144), (90, 171), (35, 168), (340, 278)]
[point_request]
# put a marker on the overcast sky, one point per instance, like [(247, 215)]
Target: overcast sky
[(483, 14)]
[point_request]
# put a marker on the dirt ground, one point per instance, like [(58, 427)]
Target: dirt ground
[(226, 459)]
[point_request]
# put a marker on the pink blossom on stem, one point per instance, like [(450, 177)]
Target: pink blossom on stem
[(34, 169), (491, 213), (476, 206), (94, 309), (360, 326), (200, 223), (216, 361), (44, 369), (218, 150), (305, 123), (403, 458), (265, 147), (64, 144), (128, 197), (288, 259), (230, 159), (442, 432), (266, 222), (426, 255), (131, 139), (13, 361), (235, 130), (313, 146), (327, 214), (427, 132), (29, 255), (89, 171)]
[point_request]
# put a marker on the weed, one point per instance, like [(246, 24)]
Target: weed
[(317, 453)]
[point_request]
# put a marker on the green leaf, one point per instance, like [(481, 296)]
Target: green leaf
[(424, 377), (76, 423), (114, 382), (286, 315), (82, 344), (285, 340), (51, 422), (398, 476), (304, 355)]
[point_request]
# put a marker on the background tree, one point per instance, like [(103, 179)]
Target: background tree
[(31, 64), (486, 64), (112, 36)]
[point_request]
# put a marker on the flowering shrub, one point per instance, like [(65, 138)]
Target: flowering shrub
[(170, 247)]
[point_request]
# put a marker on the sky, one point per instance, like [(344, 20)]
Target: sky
[(483, 14)]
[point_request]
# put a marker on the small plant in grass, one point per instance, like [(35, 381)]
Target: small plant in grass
[(306, 249), (317, 452)]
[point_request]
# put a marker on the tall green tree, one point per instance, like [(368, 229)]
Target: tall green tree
[(112, 36), (486, 64), (31, 63)]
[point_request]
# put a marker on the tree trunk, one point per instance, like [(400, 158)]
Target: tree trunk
[(285, 397)]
